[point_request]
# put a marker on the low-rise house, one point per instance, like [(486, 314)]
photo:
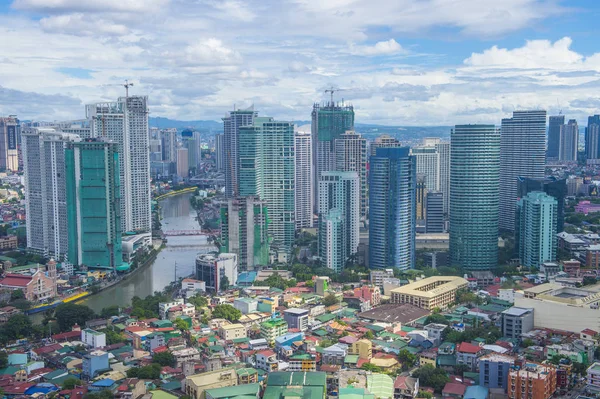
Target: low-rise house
[(468, 354), (406, 387), (434, 332), (196, 384), (454, 390), (266, 360), (93, 339), (302, 362), (131, 388), (232, 331), (334, 354), (187, 354)]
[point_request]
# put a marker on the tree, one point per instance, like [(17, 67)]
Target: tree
[(71, 383), (69, 314), (181, 324), (459, 369), (114, 337), (17, 294), (309, 283), (586, 281), (425, 395), (226, 311), (3, 359), (21, 304), (527, 342), (164, 359), (109, 311), (224, 283), (407, 359), (371, 367), (437, 319), (149, 372), (17, 326), (330, 300), (104, 394), (430, 376), (198, 301), (369, 335)]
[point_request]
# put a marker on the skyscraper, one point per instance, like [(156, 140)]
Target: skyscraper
[(383, 141), (392, 208), (169, 145), (266, 169), (428, 165), (46, 190), (569, 140), (554, 187), (339, 206), (522, 154), (244, 231), (474, 193), (592, 137), (125, 122), (93, 204), (434, 212), (421, 194), (351, 156), (231, 126), (554, 125), (443, 149), (9, 153), (536, 233), (183, 166), (329, 121), (219, 152), (304, 188)]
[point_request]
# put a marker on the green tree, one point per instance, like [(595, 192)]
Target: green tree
[(164, 359), (226, 311), (104, 394), (149, 372), (69, 314), (407, 359), (16, 327), (310, 283), (424, 395), (181, 324), (114, 337), (224, 283), (198, 301), (17, 294), (109, 311), (369, 335), (21, 304), (71, 382), (330, 300), (3, 359), (430, 376), (527, 342), (436, 318), (371, 367)]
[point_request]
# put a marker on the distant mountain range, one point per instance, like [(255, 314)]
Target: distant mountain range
[(370, 131)]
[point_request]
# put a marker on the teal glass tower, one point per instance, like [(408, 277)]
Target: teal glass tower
[(474, 192), (93, 204), (536, 229), (392, 208)]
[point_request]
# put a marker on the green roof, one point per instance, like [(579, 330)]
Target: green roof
[(386, 334), (216, 348), (301, 356), (324, 318), (320, 333), (55, 374), (354, 393), (472, 376), (123, 349), (446, 360), (65, 349), (245, 371), (375, 328), (171, 385), (159, 394), (234, 391), (275, 323), (413, 350), (407, 329), (241, 340), (351, 359), (380, 385), (162, 323), (120, 326), (9, 370), (307, 385)]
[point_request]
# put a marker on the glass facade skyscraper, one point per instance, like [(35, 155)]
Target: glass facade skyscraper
[(474, 193), (552, 186), (392, 208), (536, 229), (554, 125)]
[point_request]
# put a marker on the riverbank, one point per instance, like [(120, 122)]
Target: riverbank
[(175, 192)]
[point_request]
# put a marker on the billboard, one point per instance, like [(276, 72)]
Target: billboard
[(12, 137)]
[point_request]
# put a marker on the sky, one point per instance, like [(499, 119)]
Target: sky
[(400, 62)]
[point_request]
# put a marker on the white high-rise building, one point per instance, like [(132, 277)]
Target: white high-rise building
[(169, 145), (522, 154), (443, 149), (9, 153), (45, 190), (383, 141), (219, 152), (351, 156), (304, 187), (428, 165), (126, 123), (231, 147), (569, 140)]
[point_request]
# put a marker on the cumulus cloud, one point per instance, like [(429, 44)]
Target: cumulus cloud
[(81, 25), (380, 48), (209, 52)]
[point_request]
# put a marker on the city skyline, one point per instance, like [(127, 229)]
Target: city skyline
[(427, 63)]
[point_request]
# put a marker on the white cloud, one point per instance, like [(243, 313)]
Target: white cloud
[(380, 48), (80, 25), (143, 6), (209, 52)]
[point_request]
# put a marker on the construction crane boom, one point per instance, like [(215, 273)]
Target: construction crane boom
[(127, 85), (332, 90)]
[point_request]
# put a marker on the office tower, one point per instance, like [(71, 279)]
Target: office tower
[(392, 208), (154, 133), (522, 154), (339, 208), (182, 162), (383, 141), (266, 169), (169, 144), (46, 190), (93, 204), (434, 214), (554, 187), (554, 125), (420, 197), (443, 149), (231, 126), (244, 231), (9, 153), (304, 187), (428, 165), (592, 137), (569, 139), (192, 144), (351, 156), (536, 229), (156, 148), (125, 122), (329, 121), (219, 152), (474, 192), (574, 185)]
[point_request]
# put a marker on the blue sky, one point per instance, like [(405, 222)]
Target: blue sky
[(402, 62)]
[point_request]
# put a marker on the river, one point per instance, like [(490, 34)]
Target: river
[(177, 214)]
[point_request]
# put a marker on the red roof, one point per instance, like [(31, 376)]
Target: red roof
[(160, 349), (47, 349), (466, 347), (18, 388), (67, 335), (361, 361), (15, 280), (588, 331), (454, 388), (400, 382), (266, 353)]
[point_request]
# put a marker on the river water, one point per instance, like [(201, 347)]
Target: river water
[(177, 214)]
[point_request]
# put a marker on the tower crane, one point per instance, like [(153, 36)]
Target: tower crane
[(333, 90)]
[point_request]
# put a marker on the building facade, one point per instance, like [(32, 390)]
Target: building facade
[(392, 208), (434, 212), (536, 229), (552, 186), (592, 137), (554, 125), (534, 381), (522, 154), (212, 269), (304, 182), (569, 140), (351, 156), (9, 141), (431, 292), (231, 126), (219, 152), (474, 193)]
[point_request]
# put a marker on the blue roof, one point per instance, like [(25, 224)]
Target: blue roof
[(246, 277), (107, 382), (288, 336), (43, 388), (476, 392)]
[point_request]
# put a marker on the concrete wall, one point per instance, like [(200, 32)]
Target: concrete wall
[(560, 316)]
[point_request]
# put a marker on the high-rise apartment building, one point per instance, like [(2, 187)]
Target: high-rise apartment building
[(554, 187), (219, 152), (421, 195), (304, 182), (434, 212), (554, 126), (231, 127), (339, 207), (474, 193), (169, 144), (183, 166), (125, 122), (93, 204), (46, 190), (392, 208), (428, 165), (383, 141), (536, 229), (569, 140), (266, 169), (351, 156), (522, 154), (443, 149), (329, 121), (592, 137), (244, 231), (9, 152)]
